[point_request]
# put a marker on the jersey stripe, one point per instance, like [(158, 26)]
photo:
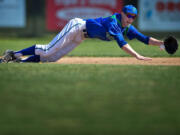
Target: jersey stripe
[(59, 38)]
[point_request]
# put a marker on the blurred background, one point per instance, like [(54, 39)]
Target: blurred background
[(35, 18)]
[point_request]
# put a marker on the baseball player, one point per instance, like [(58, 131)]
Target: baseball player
[(114, 27)]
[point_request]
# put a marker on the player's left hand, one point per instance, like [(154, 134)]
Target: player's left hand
[(170, 44)]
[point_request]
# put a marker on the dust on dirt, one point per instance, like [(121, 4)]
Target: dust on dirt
[(119, 61)]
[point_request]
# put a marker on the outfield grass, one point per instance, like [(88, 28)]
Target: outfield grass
[(89, 47), (89, 99)]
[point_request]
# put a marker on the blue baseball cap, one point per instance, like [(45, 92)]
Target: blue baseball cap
[(130, 9)]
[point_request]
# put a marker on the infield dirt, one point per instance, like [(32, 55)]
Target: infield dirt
[(119, 61)]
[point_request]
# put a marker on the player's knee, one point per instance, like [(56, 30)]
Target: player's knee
[(72, 20)]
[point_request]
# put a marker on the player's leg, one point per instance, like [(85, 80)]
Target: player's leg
[(64, 42), (33, 58), (68, 47), (26, 51), (10, 55), (58, 41)]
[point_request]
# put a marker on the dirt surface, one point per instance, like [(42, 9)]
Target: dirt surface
[(119, 61)]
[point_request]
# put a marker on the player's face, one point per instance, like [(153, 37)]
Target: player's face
[(127, 19)]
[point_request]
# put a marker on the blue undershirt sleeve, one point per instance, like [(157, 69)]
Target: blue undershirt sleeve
[(134, 33)]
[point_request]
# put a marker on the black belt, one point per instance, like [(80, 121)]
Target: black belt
[(85, 33)]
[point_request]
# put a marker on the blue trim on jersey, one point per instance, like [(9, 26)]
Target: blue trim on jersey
[(59, 38)]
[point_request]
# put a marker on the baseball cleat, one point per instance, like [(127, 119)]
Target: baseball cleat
[(8, 56), (17, 60), (2, 60)]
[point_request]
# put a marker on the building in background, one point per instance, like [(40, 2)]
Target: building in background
[(159, 15)]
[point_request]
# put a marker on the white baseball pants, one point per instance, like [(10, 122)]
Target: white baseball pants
[(66, 40)]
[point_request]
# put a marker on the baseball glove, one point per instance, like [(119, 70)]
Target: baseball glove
[(171, 44)]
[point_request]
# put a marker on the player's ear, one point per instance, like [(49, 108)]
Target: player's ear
[(122, 13)]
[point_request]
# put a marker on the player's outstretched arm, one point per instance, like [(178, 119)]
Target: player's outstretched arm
[(155, 42), (170, 44), (128, 49)]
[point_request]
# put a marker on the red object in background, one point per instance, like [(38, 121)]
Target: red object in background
[(160, 6), (171, 6), (178, 6), (58, 12)]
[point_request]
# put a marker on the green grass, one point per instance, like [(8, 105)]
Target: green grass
[(89, 99), (88, 47)]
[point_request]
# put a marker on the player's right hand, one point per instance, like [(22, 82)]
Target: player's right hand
[(139, 57)]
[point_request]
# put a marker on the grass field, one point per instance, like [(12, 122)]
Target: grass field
[(89, 99), (88, 47)]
